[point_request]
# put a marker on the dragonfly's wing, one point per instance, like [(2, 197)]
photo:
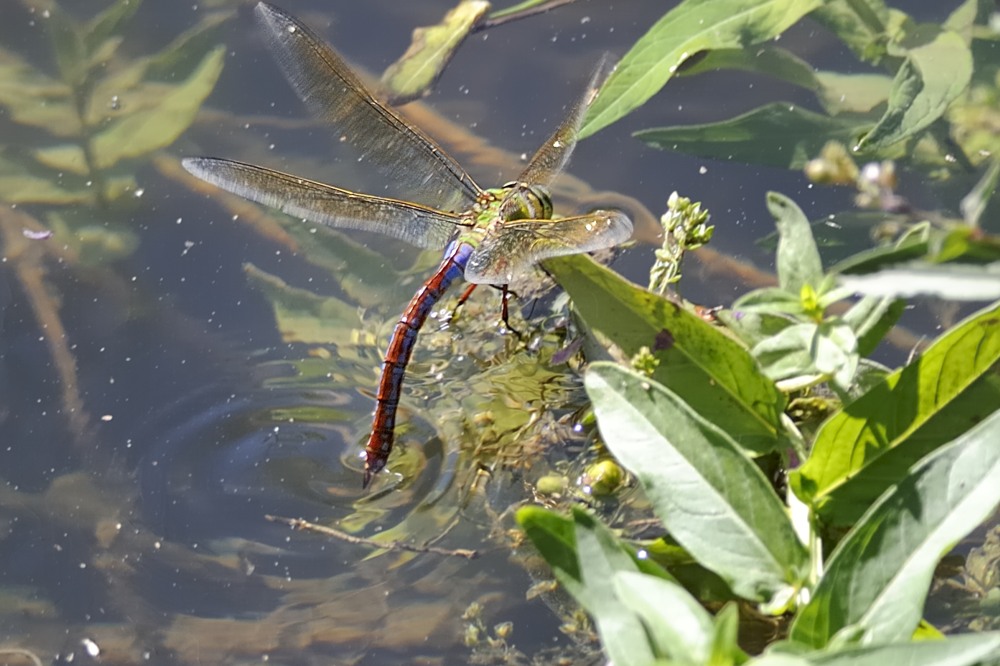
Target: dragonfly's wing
[(550, 159), (520, 243), (325, 204), (377, 134)]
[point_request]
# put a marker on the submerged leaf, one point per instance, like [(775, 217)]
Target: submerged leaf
[(158, 115), (301, 315), (32, 98)]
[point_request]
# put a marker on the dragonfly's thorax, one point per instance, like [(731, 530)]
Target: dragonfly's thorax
[(521, 201)]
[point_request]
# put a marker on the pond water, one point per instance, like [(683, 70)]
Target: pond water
[(192, 366)]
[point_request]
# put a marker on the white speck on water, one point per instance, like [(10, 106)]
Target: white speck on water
[(91, 647)]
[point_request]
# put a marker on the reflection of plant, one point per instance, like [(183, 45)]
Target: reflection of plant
[(100, 113), (902, 464), (80, 135)]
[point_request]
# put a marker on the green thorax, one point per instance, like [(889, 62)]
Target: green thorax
[(499, 205)]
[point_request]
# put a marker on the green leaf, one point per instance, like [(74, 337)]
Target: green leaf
[(71, 55), (912, 245), (864, 25), (679, 627), (301, 315), (963, 19), (108, 23), (786, 354), (590, 579), (957, 282), (769, 60), (715, 374), (725, 648), (160, 114), (834, 352), (844, 504), (798, 261), (553, 536), (753, 327), (963, 650), (876, 580), (779, 134), (710, 496), (890, 413), (689, 28), (933, 75), (852, 93), (32, 98), (415, 73), (974, 203), (871, 318)]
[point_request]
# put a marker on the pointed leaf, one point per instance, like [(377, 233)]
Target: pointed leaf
[(877, 578), (108, 23), (974, 203), (589, 576), (778, 134), (415, 73), (710, 496), (689, 28), (933, 75), (963, 650), (715, 374), (845, 504), (887, 415), (798, 261), (957, 282), (677, 624)]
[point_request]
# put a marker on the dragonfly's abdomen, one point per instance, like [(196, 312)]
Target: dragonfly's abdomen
[(404, 336)]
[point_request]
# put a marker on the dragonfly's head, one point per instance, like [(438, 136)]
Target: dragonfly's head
[(522, 201)]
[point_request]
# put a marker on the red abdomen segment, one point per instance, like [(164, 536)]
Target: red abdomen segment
[(404, 336)]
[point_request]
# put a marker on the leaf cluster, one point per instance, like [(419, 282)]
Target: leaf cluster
[(101, 110), (887, 468)]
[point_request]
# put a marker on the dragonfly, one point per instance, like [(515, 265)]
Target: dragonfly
[(489, 236)]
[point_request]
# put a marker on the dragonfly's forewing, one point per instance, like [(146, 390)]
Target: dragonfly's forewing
[(326, 204), (377, 134), (521, 243), (552, 157)]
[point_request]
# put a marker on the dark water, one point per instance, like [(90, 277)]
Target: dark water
[(135, 518)]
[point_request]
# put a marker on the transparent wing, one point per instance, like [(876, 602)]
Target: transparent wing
[(332, 92), (325, 204), (521, 243), (552, 157)]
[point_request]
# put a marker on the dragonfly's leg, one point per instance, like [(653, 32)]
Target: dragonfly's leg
[(465, 295), (445, 320), (505, 312)]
